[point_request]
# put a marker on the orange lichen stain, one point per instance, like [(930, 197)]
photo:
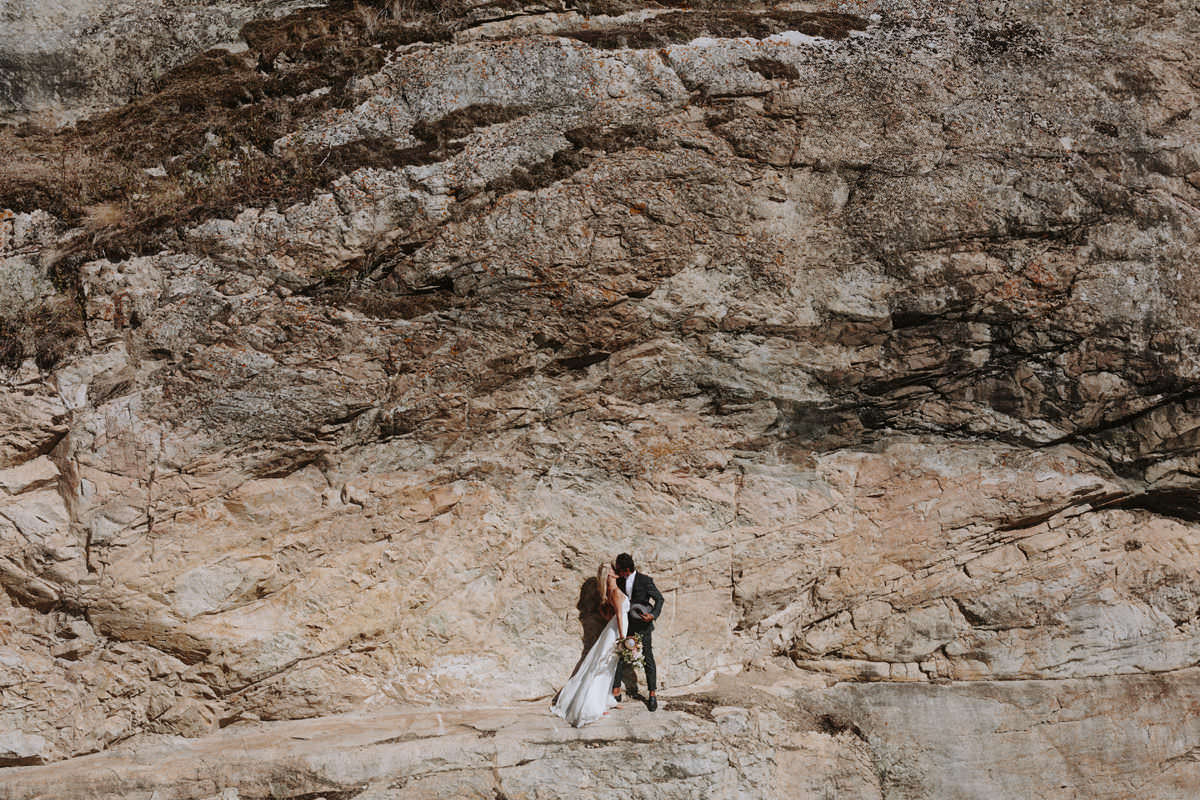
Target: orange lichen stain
[(1039, 276)]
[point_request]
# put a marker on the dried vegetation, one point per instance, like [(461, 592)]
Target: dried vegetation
[(677, 27), (199, 144), (46, 332)]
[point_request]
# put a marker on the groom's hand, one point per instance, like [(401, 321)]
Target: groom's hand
[(646, 617)]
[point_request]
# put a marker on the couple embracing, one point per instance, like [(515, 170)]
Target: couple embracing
[(632, 602)]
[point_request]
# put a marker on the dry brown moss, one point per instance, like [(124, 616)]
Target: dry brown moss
[(46, 331), (677, 27), (199, 144)]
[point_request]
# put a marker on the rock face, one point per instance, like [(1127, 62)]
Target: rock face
[(335, 365), (60, 59)]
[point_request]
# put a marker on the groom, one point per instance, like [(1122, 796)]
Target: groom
[(641, 591)]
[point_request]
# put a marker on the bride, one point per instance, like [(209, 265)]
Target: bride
[(588, 694)]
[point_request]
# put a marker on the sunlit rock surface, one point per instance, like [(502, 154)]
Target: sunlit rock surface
[(339, 360)]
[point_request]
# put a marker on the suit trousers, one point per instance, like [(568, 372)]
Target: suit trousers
[(647, 659)]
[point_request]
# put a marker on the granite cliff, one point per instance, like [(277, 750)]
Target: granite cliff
[(340, 343)]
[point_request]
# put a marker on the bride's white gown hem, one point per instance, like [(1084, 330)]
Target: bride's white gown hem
[(588, 694)]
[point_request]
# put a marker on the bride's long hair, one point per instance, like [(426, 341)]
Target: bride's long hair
[(606, 608)]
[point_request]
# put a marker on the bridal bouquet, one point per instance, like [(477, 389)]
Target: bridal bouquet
[(630, 650)]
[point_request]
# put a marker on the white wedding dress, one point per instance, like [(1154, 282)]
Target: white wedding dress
[(588, 694)]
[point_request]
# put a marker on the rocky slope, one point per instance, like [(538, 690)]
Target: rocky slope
[(335, 361), (63, 59)]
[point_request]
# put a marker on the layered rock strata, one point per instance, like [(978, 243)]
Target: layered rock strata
[(338, 363)]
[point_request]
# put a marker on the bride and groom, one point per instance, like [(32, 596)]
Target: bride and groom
[(632, 602)]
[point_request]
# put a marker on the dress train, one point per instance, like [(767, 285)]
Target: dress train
[(588, 694)]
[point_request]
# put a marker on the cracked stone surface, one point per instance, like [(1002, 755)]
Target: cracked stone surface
[(870, 330), (763, 734), (63, 59)]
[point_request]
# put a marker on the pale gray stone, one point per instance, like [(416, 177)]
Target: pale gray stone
[(873, 340)]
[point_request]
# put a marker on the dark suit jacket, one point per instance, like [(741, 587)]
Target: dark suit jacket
[(644, 593)]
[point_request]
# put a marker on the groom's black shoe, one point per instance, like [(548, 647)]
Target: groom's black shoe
[(652, 703)]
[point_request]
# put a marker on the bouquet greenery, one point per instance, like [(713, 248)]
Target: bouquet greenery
[(630, 650)]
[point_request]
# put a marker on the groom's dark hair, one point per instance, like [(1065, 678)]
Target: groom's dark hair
[(624, 562)]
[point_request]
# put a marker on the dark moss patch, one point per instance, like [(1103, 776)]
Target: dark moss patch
[(259, 180), (408, 306), (722, 114), (32, 191), (389, 298), (833, 725), (314, 33), (611, 8), (458, 124), (582, 361), (771, 69), (57, 327), (535, 176), (283, 786), (1138, 82), (54, 172), (12, 349), (677, 27), (46, 331), (1013, 38), (375, 152), (588, 142), (614, 8), (698, 705), (610, 140), (706, 5)]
